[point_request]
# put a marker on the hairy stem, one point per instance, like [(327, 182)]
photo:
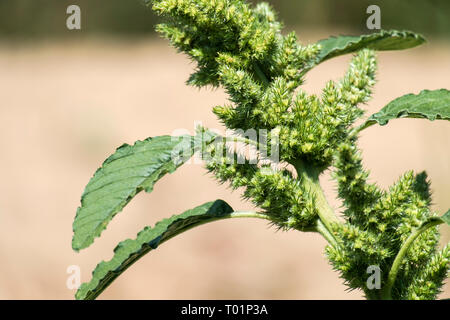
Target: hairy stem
[(247, 214), (326, 234), (363, 126), (386, 292), (234, 215), (310, 178)]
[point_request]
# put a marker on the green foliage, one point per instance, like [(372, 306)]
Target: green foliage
[(241, 48), (383, 40), (446, 218), (129, 251), (127, 172), (427, 104)]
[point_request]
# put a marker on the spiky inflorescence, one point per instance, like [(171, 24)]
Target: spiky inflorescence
[(242, 49), (378, 224), (283, 198)]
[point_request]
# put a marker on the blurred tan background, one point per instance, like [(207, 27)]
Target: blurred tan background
[(65, 106)]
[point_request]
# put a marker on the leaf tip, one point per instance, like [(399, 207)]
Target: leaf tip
[(446, 217)]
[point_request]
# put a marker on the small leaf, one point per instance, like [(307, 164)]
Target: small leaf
[(434, 221), (129, 251), (128, 171), (427, 104), (383, 40), (446, 218)]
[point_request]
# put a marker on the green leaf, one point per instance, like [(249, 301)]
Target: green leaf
[(427, 104), (129, 251), (128, 171), (383, 40), (446, 218), (433, 221)]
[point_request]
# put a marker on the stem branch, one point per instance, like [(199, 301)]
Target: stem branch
[(310, 178), (326, 234)]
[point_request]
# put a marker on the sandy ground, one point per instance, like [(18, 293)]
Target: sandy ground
[(65, 107)]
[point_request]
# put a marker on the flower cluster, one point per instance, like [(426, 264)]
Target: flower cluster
[(378, 223), (285, 199)]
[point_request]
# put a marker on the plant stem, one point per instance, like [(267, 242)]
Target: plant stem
[(233, 215), (326, 213), (326, 234), (386, 292), (310, 178), (248, 214), (362, 127)]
